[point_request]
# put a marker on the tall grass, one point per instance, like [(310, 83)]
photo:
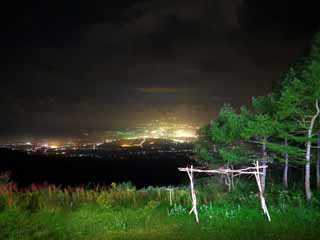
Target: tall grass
[(120, 211)]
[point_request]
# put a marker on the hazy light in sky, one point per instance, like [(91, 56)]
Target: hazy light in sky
[(119, 64)]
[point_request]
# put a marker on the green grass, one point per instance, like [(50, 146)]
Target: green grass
[(122, 212)]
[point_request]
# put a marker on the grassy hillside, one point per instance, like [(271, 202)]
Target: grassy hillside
[(122, 212)]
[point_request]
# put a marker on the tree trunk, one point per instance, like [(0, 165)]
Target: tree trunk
[(308, 154), (264, 162), (318, 163), (286, 166)]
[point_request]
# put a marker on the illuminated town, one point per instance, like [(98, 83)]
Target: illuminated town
[(155, 136)]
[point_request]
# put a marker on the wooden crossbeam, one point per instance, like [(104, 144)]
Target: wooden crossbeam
[(256, 171)]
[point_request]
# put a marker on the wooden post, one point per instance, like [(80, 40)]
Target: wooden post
[(255, 170), (170, 195), (193, 194), (261, 192)]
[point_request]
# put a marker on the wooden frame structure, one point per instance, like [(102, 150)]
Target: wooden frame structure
[(255, 170)]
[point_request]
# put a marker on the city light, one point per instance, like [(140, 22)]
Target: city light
[(157, 129), (147, 136), (126, 145), (184, 134)]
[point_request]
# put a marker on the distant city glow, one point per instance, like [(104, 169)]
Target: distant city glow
[(147, 136), (127, 145), (177, 140), (184, 134), (158, 129)]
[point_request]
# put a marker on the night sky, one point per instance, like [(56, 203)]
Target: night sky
[(70, 66)]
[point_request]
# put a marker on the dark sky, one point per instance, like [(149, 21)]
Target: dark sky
[(73, 65)]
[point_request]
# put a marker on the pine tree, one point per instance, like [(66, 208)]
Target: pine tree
[(299, 101), (259, 128)]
